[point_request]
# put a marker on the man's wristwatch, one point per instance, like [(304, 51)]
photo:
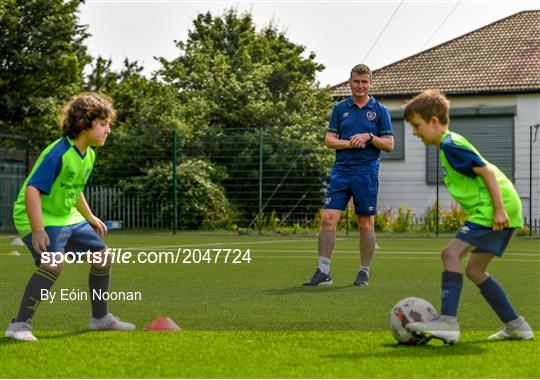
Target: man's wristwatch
[(371, 136)]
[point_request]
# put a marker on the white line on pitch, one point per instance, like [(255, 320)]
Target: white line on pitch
[(380, 257), (381, 252), (223, 244)]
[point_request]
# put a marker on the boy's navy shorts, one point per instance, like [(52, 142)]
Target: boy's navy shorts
[(362, 187), (77, 238), (484, 238)]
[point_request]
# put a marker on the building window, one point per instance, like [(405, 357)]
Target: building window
[(492, 136), (398, 129)]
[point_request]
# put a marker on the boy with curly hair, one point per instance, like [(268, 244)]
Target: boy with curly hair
[(52, 215)]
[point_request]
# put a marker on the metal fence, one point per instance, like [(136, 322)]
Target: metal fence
[(241, 178), (124, 210), (532, 217), (14, 164)]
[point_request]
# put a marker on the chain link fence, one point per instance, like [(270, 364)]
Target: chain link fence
[(528, 170), (239, 179)]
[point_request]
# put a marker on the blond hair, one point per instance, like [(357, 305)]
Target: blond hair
[(361, 69)]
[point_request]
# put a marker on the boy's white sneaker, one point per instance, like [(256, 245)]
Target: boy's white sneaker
[(20, 331), (440, 328), (517, 329), (109, 322)]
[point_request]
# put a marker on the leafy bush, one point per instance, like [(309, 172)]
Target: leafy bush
[(403, 219), (524, 231), (268, 221), (201, 198), (383, 221), (430, 216), (452, 220)]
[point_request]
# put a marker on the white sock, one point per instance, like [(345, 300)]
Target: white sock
[(365, 268), (324, 264)]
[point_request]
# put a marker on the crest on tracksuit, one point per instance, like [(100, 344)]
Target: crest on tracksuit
[(371, 115)]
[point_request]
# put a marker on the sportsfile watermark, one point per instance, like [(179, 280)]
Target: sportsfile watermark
[(180, 256)]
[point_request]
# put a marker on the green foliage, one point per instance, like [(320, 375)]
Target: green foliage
[(430, 216), (148, 112), (201, 201), (42, 57), (229, 83), (269, 221), (449, 220), (384, 220), (525, 231), (235, 80), (453, 219), (403, 219)]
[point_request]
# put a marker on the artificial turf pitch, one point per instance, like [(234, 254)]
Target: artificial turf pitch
[(256, 320)]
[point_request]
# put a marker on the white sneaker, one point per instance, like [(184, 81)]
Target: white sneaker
[(439, 328), (20, 331), (516, 329), (109, 322)]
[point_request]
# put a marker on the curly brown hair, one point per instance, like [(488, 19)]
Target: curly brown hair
[(81, 110)]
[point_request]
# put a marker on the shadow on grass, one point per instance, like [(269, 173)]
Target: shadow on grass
[(49, 336), (428, 350), (306, 290)]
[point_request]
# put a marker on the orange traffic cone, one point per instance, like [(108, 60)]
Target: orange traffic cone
[(164, 324)]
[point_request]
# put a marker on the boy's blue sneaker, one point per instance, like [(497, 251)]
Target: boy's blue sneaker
[(362, 279), (319, 279)]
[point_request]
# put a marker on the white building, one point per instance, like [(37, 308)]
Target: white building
[(492, 79)]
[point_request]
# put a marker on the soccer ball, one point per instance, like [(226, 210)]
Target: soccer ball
[(409, 310)]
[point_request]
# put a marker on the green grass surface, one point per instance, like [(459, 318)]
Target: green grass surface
[(255, 320)]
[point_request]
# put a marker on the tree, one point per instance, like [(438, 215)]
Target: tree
[(239, 81), (42, 57), (138, 155), (148, 112)]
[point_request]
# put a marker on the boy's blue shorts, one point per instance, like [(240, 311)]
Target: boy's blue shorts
[(484, 238), (362, 187), (77, 238)]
